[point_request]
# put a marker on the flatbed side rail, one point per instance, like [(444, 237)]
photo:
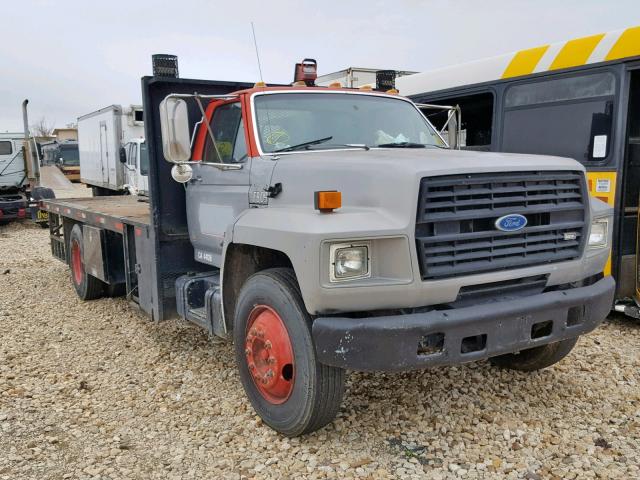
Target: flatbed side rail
[(95, 219)]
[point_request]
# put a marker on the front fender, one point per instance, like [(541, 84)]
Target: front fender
[(300, 232)]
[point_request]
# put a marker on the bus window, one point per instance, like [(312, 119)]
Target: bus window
[(570, 117), (477, 119)]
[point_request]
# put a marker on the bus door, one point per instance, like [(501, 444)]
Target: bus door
[(630, 267)]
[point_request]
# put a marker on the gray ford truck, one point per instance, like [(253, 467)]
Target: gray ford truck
[(328, 229)]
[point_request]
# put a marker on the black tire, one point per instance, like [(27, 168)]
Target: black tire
[(87, 287), (316, 393), (535, 358), (40, 193)]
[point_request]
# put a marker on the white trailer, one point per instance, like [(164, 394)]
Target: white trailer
[(105, 163), (355, 77)]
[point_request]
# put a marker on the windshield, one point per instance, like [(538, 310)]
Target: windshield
[(306, 121), (69, 154), (144, 159)]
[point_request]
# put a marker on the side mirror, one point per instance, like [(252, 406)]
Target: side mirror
[(174, 124), (123, 155)]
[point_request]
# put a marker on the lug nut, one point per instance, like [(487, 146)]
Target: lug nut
[(271, 360), (268, 345), (269, 374), (247, 351)]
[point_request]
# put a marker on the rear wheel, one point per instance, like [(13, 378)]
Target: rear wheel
[(536, 358), (87, 287), (291, 391)]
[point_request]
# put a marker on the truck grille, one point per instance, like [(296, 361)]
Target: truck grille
[(455, 226)]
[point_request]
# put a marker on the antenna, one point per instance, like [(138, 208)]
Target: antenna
[(255, 44)]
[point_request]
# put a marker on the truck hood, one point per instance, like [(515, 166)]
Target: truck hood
[(388, 179)]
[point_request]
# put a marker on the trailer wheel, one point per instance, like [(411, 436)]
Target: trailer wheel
[(87, 287), (535, 358), (291, 391)]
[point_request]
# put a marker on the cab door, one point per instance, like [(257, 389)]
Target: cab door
[(219, 190), (142, 173), (131, 167)]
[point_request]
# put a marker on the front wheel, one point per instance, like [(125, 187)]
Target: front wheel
[(291, 391), (536, 358)]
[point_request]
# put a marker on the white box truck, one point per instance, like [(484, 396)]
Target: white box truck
[(113, 154), (355, 77)]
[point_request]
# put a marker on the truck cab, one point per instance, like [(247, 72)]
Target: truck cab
[(13, 178), (394, 251), (135, 157)]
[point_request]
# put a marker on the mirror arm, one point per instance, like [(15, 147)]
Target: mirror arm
[(205, 121), (220, 166)]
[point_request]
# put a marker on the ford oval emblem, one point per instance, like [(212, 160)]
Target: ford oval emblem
[(511, 223)]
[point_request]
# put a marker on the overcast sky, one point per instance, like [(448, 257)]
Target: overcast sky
[(72, 57)]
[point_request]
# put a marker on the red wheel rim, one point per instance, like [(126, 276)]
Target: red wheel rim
[(269, 354), (76, 262)]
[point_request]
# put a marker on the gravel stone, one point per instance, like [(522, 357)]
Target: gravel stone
[(96, 390)]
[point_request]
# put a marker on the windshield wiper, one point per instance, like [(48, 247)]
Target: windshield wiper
[(402, 145), (348, 145), (303, 145)]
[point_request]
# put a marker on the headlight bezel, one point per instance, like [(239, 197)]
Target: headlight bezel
[(337, 248), (600, 223)]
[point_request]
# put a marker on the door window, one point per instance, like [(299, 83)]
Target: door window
[(133, 155), (477, 118), (6, 148), (228, 132), (144, 159)]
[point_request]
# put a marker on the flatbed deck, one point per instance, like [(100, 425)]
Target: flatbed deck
[(107, 212)]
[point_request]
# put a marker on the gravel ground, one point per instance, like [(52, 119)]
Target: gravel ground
[(95, 390)]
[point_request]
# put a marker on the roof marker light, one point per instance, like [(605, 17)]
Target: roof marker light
[(335, 85), (259, 85)]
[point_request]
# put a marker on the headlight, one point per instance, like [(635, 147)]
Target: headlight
[(598, 234), (349, 261)]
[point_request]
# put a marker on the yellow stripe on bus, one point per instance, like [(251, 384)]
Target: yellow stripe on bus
[(602, 185), (576, 52), (628, 45), (524, 62)]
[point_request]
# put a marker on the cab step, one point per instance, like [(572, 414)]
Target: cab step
[(199, 300), (629, 307)]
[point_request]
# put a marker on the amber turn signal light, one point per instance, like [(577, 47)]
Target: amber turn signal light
[(327, 201)]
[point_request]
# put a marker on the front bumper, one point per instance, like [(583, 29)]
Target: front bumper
[(391, 343), (13, 209)]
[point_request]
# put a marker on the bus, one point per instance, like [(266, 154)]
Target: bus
[(577, 99), (65, 156)]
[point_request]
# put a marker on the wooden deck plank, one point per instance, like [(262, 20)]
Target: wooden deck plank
[(122, 207)]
